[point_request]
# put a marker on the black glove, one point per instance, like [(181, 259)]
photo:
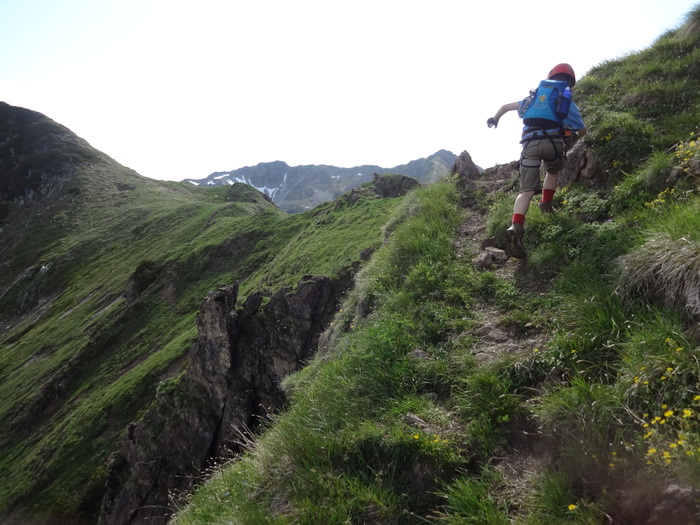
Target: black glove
[(492, 123)]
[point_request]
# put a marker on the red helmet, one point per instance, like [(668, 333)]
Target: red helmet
[(565, 69)]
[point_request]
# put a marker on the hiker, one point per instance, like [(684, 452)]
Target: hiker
[(548, 122)]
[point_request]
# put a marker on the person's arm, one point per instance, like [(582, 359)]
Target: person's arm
[(574, 122), (505, 108)]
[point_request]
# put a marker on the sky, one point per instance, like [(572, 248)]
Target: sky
[(180, 89)]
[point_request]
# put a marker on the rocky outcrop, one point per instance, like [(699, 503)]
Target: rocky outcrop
[(381, 187), (464, 167), (581, 166), (466, 174), (392, 186), (236, 366)]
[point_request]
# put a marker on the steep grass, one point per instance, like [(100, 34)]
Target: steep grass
[(80, 360), (395, 422), (344, 439)]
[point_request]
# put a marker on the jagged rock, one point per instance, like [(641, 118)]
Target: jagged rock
[(646, 504), (492, 334), (144, 275), (415, 421), (392, 186), (497, 254), (490, 242), (236, 367), (467, 172), (581, 166), (381, 187), (419, 354), (464, 166), (485, 259), (678, 506)]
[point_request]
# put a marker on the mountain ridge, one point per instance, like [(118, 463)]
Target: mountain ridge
[(452, 384), (299, 188), (103, 271)]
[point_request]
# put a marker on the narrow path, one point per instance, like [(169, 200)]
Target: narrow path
[(522, 462)]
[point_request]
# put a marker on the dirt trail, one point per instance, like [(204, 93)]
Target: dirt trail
[(522, 462)]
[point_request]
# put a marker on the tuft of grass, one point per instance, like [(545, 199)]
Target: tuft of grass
[(488, 402), (472, 500), (664, 271), (559, 500)]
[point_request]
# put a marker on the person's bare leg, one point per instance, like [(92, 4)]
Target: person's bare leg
[(548, 187), (550, 181), (522, 202)]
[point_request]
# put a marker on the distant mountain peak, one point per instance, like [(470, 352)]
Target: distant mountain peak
[(299, 188)]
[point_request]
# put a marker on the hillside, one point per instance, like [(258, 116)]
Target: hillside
[(458, 386), (300, 188), (199, 354), (103, 272)]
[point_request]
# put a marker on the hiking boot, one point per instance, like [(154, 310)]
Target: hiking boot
[(516, 232), (546, 207)]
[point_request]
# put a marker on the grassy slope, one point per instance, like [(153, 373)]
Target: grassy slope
[(375, 434), (78, 362)]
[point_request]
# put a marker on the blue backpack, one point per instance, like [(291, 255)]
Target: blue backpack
[(547, 105)]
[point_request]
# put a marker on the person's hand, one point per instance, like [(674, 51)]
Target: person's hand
[(492, 123)]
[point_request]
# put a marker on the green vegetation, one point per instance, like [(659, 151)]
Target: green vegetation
[(410, 414), (399, 421), (97, 305)]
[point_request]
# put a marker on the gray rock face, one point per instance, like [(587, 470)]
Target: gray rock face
[(582, 166), (236, 366)]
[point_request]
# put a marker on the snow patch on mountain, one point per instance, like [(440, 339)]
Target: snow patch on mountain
[(231, 179)]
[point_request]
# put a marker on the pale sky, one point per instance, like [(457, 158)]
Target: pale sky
[(180, 89)]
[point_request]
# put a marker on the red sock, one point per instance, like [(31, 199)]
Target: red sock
[(547, 195), (518, 218)]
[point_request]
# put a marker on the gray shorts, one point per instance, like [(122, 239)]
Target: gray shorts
[(549, 151)]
